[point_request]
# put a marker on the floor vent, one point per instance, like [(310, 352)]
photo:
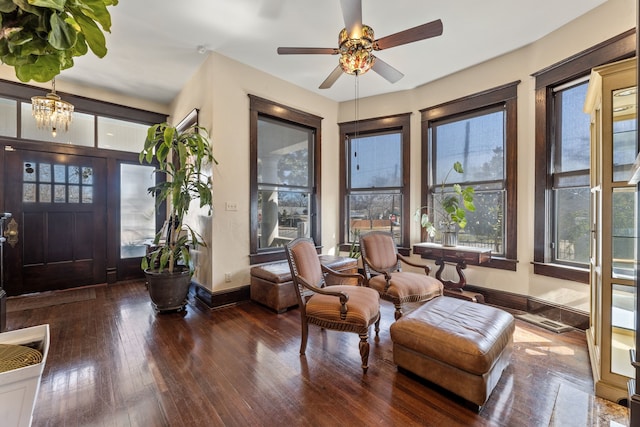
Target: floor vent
[(543, 322)]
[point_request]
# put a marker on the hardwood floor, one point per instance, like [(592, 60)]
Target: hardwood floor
[(113, 362)]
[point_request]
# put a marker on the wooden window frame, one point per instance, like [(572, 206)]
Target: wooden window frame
[(506, 95), (617, 48), (399, 122), (265, 108)]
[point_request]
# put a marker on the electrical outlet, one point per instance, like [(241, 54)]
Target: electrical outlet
[(227, 277), (231, 206)]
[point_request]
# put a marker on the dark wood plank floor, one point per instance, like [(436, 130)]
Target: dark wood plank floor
[(113, 362)]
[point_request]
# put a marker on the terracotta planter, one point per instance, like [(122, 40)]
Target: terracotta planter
[(168, 291)]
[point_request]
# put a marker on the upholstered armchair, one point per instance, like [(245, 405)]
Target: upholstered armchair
[(348, 308), (382, 267)]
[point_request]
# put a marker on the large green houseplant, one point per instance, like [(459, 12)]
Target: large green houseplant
[(449, 209), (39, 38), (182, 158)]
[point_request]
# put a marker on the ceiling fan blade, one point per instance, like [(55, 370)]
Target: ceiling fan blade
[(386, 71), (352, 12), (421, 32), (307, 50), (329, 81)]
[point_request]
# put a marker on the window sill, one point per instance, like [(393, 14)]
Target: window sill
[(564, 272), (502, 263), (271, 255)]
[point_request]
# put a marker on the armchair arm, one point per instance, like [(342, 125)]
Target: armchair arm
[(385, 272), (344, 297), (340, 275), (406, 260)]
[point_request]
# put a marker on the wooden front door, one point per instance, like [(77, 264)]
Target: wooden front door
[(58, 207)]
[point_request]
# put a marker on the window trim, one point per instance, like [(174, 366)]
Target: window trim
[(506, 95), (617, 48), (263, 107), (398, 122)]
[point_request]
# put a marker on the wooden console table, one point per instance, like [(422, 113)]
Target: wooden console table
[(461, 256)]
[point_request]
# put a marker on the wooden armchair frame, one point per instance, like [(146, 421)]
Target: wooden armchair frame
[(359, 306), (380, 257)]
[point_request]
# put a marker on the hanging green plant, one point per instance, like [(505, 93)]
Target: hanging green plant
[(39, 38)]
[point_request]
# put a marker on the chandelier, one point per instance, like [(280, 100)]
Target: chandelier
[(51, 112), (355, 54)]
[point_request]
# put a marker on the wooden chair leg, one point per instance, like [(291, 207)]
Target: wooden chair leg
[(364, 351), (398, 312), (377, 326), (305, 333)]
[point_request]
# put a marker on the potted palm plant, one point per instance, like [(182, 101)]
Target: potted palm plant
[(449, 210), (182, 158)]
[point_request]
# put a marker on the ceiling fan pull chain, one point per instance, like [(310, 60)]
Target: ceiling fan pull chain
[(357, 113)]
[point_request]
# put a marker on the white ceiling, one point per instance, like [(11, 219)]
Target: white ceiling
[(153, 45)]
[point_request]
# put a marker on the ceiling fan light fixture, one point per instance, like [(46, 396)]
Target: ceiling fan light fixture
[(355, 54), (356, 43)]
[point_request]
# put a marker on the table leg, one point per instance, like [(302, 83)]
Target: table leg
[(455, 289)]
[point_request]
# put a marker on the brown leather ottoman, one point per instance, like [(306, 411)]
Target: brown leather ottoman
[(271, 284), (459, 345)]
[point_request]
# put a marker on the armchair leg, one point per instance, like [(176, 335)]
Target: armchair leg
[(364, 351), (377, 327), (305, 333), (398, 312)]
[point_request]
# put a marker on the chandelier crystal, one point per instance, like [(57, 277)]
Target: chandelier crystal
[(355, 54), (51, 112)]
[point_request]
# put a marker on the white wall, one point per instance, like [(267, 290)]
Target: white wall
[(220, 90)]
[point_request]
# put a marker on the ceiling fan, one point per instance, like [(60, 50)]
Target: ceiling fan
[(356, 43)]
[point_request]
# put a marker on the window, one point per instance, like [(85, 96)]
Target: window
[(285, 177), (561, 223), (123, 135), (137, 209), (81, 130), (480, 132), (8, 117), (374, 175), (569, 175), (95, 124), (57, 183)]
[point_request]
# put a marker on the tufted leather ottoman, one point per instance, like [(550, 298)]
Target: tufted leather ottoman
[(271, 284), (459, 345)]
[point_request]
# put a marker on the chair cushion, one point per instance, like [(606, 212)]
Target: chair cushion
[(363, 305), (408, 286)]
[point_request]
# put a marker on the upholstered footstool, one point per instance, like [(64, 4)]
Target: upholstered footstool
[(272, 286), (459, 345)]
